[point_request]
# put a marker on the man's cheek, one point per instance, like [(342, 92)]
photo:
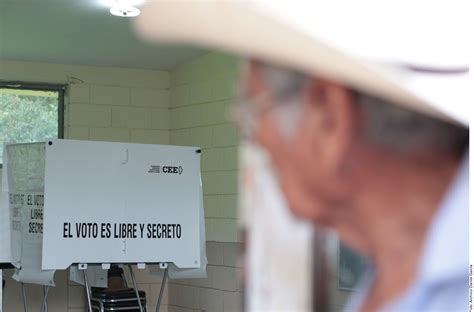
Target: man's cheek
[(293, 196), (301, 200), (306, 154), (286, 156), (267, 135)]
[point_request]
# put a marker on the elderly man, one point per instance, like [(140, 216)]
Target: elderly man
[(377, 174), (357, 147)]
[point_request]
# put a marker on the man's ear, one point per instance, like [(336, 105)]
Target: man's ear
[(336, 121)]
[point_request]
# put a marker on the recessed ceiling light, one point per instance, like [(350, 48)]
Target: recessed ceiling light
[(124, 10)]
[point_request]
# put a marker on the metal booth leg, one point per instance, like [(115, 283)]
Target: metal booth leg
[(132, 275), (23, 290), (162, 289), (88, 291), (44, 305), (124, 278)]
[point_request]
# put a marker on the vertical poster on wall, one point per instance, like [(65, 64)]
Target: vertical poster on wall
[(278, 266)]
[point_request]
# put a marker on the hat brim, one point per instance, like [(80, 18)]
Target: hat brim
[(240, 28)]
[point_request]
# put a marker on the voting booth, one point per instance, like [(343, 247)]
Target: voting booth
[(74, 204)]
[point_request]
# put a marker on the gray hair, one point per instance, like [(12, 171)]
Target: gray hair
[(386, 124)]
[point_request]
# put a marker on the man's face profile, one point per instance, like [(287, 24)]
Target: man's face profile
[(311, 162), (333, 172)]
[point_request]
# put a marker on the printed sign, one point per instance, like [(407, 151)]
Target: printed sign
[(24, 166), (121, 203)]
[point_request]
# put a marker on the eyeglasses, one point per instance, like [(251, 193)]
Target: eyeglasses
[(282, 86)]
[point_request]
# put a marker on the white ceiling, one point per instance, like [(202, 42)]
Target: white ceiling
[(81, 32)]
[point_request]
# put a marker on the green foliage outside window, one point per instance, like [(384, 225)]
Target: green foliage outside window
[(27, 116)]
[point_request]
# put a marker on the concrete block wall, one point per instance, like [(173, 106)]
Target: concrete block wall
[(118, 113), (201, 93), (102, 104)]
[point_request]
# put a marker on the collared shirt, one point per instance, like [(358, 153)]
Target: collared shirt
[(442, 279)]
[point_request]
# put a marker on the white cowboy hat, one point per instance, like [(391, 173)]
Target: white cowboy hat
[(412, 53)]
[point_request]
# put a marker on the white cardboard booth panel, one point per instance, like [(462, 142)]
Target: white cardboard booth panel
[(24, 172), (121, 203), (66, 202)]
